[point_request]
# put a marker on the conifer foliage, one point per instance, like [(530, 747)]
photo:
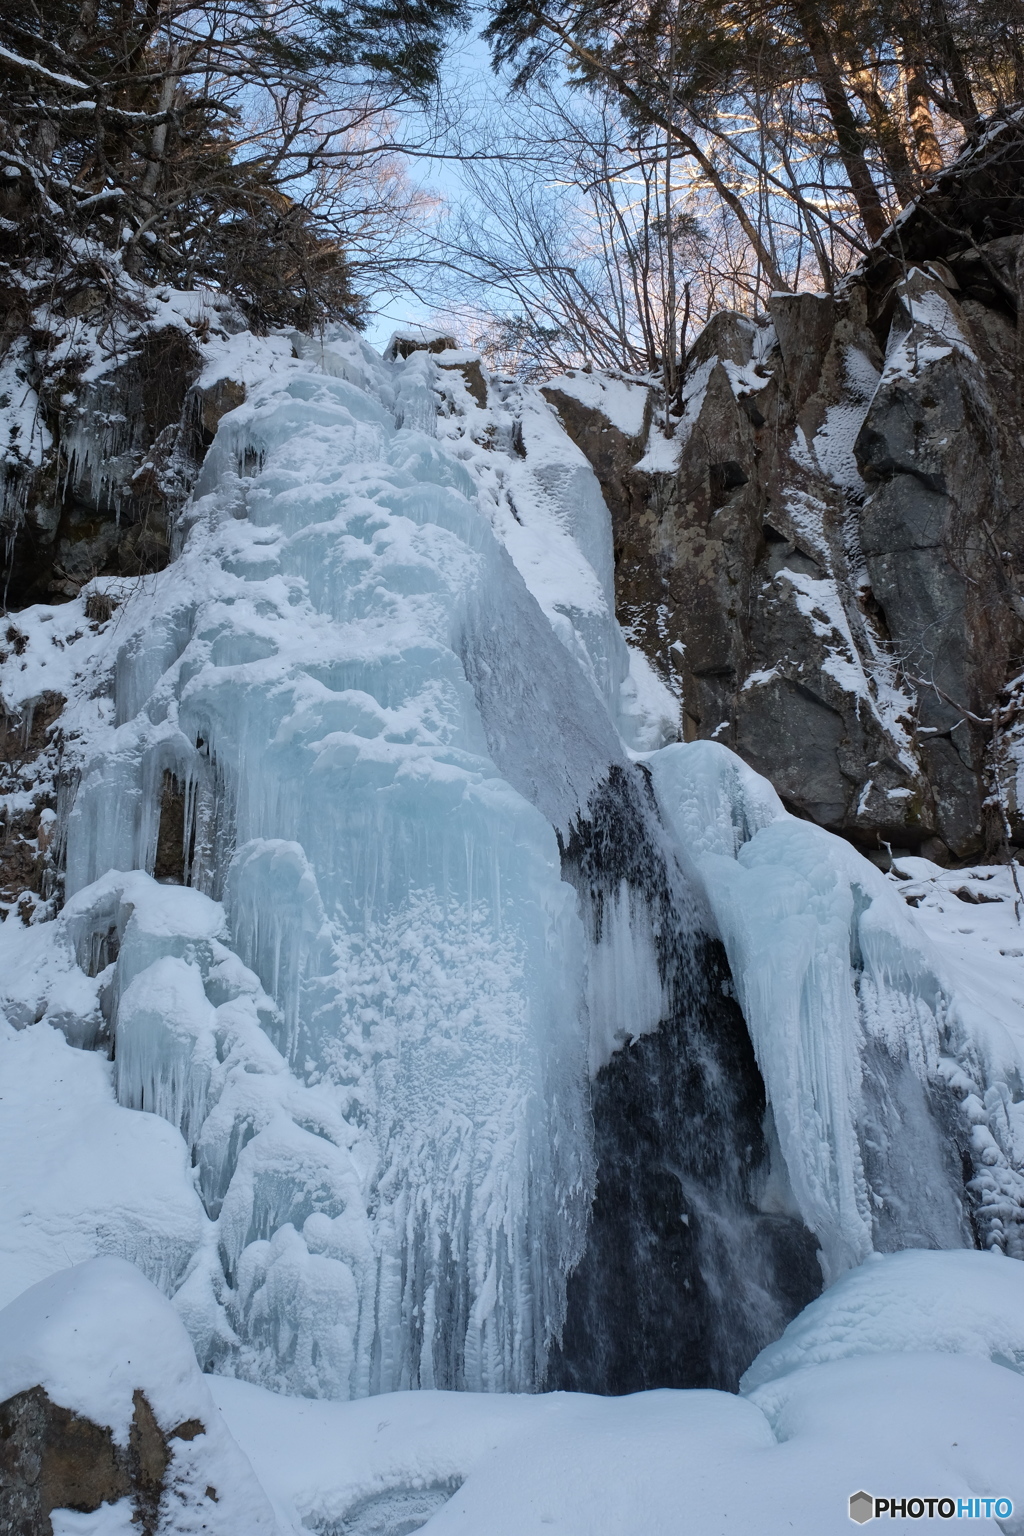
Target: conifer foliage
[(198, 143), (845, 109)]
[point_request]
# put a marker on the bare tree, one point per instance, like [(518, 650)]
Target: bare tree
[(827, 114)]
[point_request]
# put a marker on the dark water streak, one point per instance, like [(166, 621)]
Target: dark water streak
[(684, 1279)]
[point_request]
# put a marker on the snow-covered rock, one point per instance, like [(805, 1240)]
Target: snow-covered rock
[(140, 1433)]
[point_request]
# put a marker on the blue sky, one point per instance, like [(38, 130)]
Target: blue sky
[(468, 77)]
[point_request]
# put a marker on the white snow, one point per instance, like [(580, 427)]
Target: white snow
[(545, 505), (925, 329), (81, 1175), (109, 1520), (622, 401), (647, 706), (896, 1381), (663, 453), (854, 1396), (89, 1336), (834, 441), (820, 604), (244, 358), (916, 1302)]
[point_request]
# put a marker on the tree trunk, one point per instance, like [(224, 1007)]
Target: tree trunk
[(670, 255), (88, 16), (851, 147), (887, 134), (954, 64), (926, 143)]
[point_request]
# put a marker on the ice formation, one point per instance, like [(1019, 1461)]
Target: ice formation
[(885, 1074), (364, 882), (363, 1009)]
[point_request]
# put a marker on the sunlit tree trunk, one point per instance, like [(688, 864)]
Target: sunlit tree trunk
[(669, 346), (926, 143), (847, 130), (887, 134)]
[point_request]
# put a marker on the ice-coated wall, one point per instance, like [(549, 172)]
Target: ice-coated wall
[(895, 1090), (399, 1168)]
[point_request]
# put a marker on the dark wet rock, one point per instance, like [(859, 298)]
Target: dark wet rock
[(676, 1226), (405, 346), (28, 873), (681, 1226), (122, 451), (215, 401)]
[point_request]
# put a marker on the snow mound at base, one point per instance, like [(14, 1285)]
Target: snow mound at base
[(94, 1335), (961, 1302), (670, 1462), (82, 1174)]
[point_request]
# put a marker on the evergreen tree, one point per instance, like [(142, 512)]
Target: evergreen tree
[(201, 143)]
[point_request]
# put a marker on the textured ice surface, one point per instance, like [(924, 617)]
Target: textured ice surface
[(870, 1049), (365, 1011), (92, 1336), (346, 729)]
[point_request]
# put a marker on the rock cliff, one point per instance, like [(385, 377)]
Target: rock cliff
[(824, 556), (105, 416)]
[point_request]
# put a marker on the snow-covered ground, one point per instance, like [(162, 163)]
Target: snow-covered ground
[(905, 1380), (671, 1463)]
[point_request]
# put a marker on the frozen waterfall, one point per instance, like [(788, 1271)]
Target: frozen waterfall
[(371, 1035), (382, 888)]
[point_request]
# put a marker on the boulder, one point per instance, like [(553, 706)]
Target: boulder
[(102, 1403)]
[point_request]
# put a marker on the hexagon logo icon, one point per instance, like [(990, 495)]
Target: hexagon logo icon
[(862, 1507)]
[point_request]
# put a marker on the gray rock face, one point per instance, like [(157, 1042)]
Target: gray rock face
[(829, 577)]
